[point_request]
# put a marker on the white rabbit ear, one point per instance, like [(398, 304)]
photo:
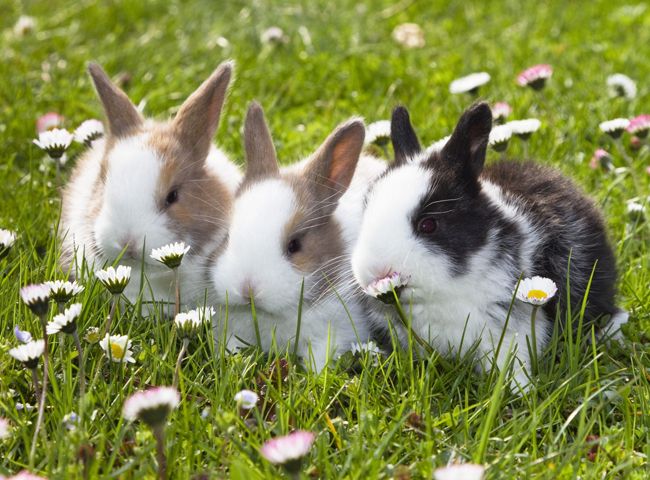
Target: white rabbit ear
[(261, 159), (331, 168), (196, 121), (123, 117)]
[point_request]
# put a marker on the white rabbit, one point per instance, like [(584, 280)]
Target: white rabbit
[(460, 236), (148, 184), (288, 226)]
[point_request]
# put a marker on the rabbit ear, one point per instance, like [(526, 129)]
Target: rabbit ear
[(465, 151), (261, 160), (196, 121), (332, 167), (123, 117), (405, 141)]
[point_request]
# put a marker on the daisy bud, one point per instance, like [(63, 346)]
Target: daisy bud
[(37, 298), (114, 279), (29, 353), (151, 406), (535, 77), (62, 291), (48, 121), (288, 450), (65, 322), (170, 255), (501, 111), (469, 84), (93, 335), (246, 399), (536, 290), (602, 159), (188, 323), (54, 142)]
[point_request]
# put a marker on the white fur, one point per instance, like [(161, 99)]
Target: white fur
[(129, 213), (450, 311), (254, 258)]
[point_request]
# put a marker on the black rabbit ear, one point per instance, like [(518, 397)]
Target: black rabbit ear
[(405, 141), (465, 151)]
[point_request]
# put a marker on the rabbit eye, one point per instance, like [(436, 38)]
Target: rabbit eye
[(294, 246), (172, 197), (427, 226)]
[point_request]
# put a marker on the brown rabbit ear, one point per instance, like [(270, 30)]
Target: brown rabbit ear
[(197, 120), (261, 160), (331, 168), (123, 117)]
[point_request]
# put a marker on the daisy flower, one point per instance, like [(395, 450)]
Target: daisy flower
[(535, 77), (409, 35), (288, 450), (24, 25), (378, 133), (29, 353), (621, 86), (54, 142), (5, 428), (171, 255), (500, 111), (189, 322), (61, 291), (536, 291), (118, 348), (246, 399), (614, 128), (115, 279), (151, 406), (639, 126), (65, 322), (382, 288), (7, 240), (524, 128), (48, 121), (89, 131), (635, 210), (25, 475), (365, 347), (602, 159), (37, 298), (499, 137), (465, 471), (438, 145), (470, 83), (21, 335), (92, 335), (273, 35)]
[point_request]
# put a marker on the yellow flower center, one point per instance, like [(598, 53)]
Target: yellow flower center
[(537, 294), (117, 351)]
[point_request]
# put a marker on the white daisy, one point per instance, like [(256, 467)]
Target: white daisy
[(24, 25), (54, 142), (465, 471), (639, 126), (536, 290), (273, 35), (246, 399), (378, 133), (189, 322), (151, 406), (48, 121), (501, 110), (635, 210), (89, 131), (535, 76), (469, 83), (365, 347), (171, 255), (29, 353), (524, 128), (21, 335), (614, 128), (36, 297), (499, 137), (288, 448), (7, 239), (383, 287), (621, 85), (118, 348), (115, 279), (409, 35), (61, 291), (65, 322), (5, 428)]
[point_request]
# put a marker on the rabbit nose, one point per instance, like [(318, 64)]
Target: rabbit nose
[(247, 290), (129, 247)]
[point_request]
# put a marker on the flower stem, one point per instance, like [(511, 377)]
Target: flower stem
[(177, 287), (43, 396), (114, 301), (533, 336), (179, 360), (159, 433), (37, 388), (407, 325), (82, 366)]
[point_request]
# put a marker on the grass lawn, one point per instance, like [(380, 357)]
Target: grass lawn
[(392, 417)]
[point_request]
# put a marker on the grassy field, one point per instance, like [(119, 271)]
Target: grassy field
[(391, 417)]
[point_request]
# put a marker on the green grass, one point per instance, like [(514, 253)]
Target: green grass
[(395, 417)]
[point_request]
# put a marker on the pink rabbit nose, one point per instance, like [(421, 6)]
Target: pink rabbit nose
[(130, 248), (247, 290)]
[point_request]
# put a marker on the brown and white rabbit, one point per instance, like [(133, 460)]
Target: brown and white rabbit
[(462, 235), (150, 183), (288, 226)]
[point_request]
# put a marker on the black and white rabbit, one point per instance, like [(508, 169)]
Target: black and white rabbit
[(461, 236)]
